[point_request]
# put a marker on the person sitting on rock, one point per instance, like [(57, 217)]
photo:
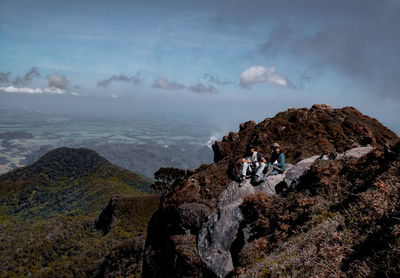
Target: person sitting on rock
[(253, 162), (276, 165)]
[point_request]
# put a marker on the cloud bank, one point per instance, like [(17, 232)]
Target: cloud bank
[(27, 90), (200, 88), (163, 83), (261, 74), (214, 78), (119, 78), (24, 80), (5, 77)]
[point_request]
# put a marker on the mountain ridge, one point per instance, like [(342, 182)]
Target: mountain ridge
[(302, 133)]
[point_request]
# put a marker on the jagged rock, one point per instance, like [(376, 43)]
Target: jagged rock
[(321, 106), (293, 175), (358, 152), (192, 216), (221, 150), (233, 136), (170, 251), (269, 186), (219, 231), (246, 125)]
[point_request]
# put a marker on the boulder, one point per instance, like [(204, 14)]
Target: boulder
[(293, 175)]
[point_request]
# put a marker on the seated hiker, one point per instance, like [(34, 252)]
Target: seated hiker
[(253, 162), (276, 164)]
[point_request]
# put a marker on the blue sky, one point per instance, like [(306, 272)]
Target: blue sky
[(236, 60)]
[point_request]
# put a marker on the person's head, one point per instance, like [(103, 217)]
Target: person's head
[(250, 148), (276, 148)]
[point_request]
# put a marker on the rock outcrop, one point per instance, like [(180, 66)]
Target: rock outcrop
[(302, 133), (245, 224), (220, 229)]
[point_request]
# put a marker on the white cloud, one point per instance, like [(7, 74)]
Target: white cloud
[(260, 74), (163, 83), (57, 81), (216, 136), (27, 90)]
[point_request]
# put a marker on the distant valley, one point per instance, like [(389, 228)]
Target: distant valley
[(142, 145)]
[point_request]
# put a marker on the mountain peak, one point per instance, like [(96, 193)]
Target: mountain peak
[(70, 162), (61, 163)]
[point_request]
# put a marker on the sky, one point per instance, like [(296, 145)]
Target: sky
[(222, 62)]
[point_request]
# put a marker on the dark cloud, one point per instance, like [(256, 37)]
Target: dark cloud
[(122, 78), (57, 81), (361, 53), (215, 79), (358, 39), (201, 88), (24, 80), (163, 83), (5, 77)]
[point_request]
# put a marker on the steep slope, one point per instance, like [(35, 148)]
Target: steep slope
[(48, 210), (302, 133), (66, 180)]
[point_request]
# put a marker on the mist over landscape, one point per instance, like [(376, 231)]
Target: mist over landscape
[(141, 144)]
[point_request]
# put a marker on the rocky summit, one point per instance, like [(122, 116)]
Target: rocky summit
[(334, 212)]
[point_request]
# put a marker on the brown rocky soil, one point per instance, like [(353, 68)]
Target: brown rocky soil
[(300, 132), (339, 207)]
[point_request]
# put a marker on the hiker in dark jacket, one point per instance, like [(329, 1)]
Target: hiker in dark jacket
[(253, 162), (276, 164)]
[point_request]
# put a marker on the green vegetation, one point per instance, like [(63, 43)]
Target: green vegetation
[(47, 225)]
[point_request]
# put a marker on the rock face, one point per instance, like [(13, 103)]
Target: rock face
[(293, 175), (170, 249), (220, 230), (244, 224)]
